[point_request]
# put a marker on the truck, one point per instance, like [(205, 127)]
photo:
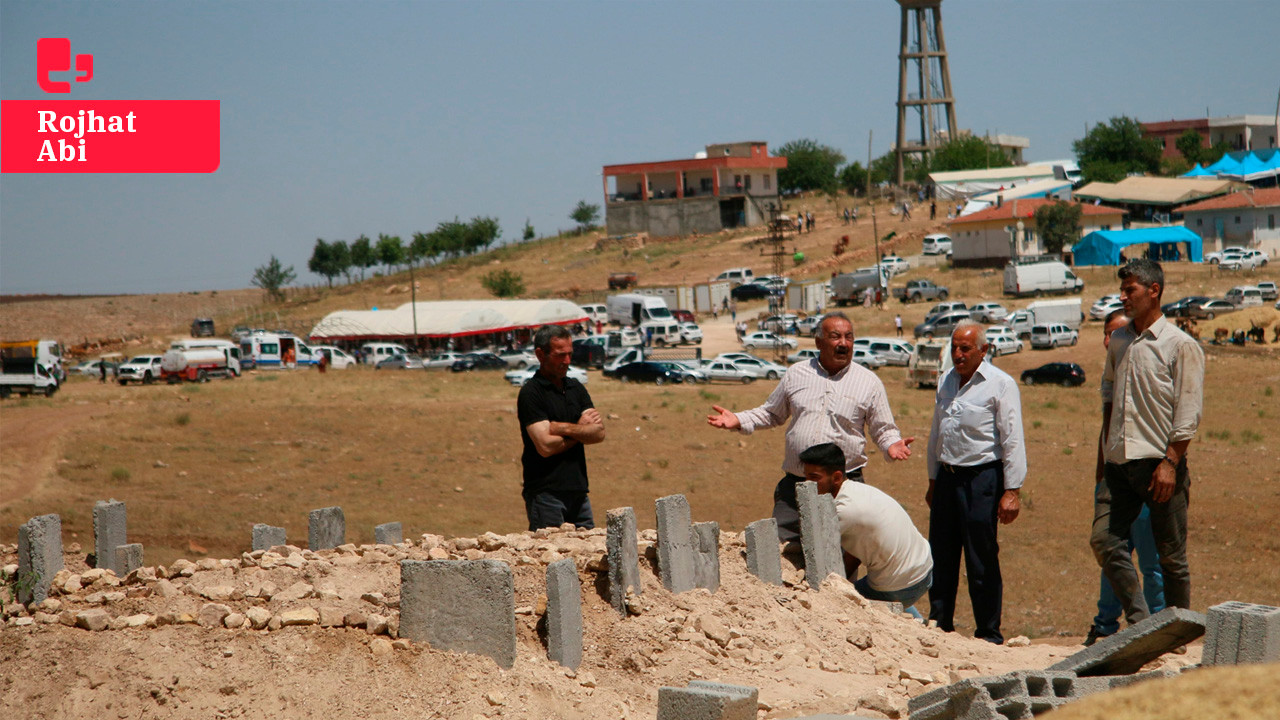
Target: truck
[(622, 280), (1044, 312), (810, 295), (197, 360), (929, 362), (847, 288), (634, 309), (917, 290), (1039, 278), (27, 367)]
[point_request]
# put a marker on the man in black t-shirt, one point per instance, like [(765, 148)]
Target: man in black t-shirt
[(556, 420)]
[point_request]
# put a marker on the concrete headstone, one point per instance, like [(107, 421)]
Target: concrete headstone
[(39, 557), (460, 605), (110, 526), (624, 559), (327, 528)]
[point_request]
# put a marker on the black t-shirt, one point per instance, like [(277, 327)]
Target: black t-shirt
[(540, 400)]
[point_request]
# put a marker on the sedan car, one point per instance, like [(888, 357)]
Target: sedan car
[(521, 376), (941, 325), (802, 355), (1003, 340), (687, 374), (479, 361), (867, 359), (988, 312), (400, 361), (730, 371), (1100, 312), (647, 371), (522, 357), (1097, 305), (443, 361), (751, 291), (1269, 290), (762, 368), (1182, 308), (894, 265), (808, 326), (781, 324), (1214, 258), (142, 368), (1247, 260), (1064, 374), (690, 333), (767, 340), (1209, 309)]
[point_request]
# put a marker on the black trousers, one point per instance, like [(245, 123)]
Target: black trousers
[(962, 520), (785, 509)]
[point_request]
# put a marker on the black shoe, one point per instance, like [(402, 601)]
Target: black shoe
[(1094, 636)]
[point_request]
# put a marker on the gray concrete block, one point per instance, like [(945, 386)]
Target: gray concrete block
[(1259, 635), (564, 613), (391, 533), (819, 534), (110, 529), (1222, 633), (675, 549), (708, 701), (705, 539), (460, 605), (764, 557), (39, 557), (624, 559), (1128, 650), (128, 557), (326, 529), (1020, 694), (266, 537)]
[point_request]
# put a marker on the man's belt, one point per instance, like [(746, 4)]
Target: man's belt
[(969, 469)]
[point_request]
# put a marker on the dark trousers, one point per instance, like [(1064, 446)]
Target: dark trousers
[(785, 509), (1129, 484), (548, 509), (963, 519)]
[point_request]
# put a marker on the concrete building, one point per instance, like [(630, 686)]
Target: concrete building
[(1154, 201), (728, 186), (1250, 218), (1240, 132), (988, 238)]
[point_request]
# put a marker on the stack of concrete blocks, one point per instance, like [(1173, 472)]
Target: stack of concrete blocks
[(266, 537), (1019, 695), (819, 534), (1128, 650), (326, 528), (705, 538), (624, 559), (564, 613), (460, 605), (675, 550), (110, 528), (128, 558), (391, 533), (39, 557), (708, 701), (764, 558), (1240, 633)]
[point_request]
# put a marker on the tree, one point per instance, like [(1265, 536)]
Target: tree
[(1058, 224), (328, 259), (1191, 145), (340, 255), (810, 166), (273, 277), (967, 153), (481, 233), (853, 177), (1109, 152), (529, 234), (390, 251), (585, 214), (503, 283), (913, 168), (362, 255)]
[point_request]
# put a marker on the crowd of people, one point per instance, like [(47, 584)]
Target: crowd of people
[(975, 462)]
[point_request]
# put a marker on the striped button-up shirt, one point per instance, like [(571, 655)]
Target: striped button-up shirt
[(1155, 382), (827, 408), (978, 423)]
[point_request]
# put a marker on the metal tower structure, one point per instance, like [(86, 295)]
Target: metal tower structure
[(922, 44)]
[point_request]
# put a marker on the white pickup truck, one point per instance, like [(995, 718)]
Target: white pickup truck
[(26, 369)]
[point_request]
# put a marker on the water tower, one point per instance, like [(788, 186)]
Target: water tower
[(922, 55)]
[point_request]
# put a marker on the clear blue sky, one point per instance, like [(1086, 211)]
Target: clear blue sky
[(341, 118)]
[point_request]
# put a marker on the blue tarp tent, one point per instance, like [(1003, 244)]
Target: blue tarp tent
[(1246, 165), (1103, 246), (1198, 171)]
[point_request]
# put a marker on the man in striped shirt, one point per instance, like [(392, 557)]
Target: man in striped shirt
[(828, 399)]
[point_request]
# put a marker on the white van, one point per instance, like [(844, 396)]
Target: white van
[(596, 312), (274, 351), (936, 244), (633, 309), (737, 276), (1243, 296), (661, 333), (1040, 278), (375, 352), (338, 360)]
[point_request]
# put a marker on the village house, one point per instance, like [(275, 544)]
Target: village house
[(1239, 132), (989, 238), (1247, 218)]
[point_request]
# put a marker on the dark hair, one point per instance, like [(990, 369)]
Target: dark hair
[(1147, 272), (542, 339), (1118, 312), (827, 456), (838, 315)]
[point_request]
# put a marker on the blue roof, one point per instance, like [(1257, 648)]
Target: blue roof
[(1103, 247)]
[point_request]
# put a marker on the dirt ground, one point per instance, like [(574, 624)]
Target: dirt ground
[(198, 465)]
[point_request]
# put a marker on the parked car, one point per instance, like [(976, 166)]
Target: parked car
[(648, 371), (687, 374), (140, 368), (1214, 258), (761, 368), (736, 276), (1243, 296), (802, 355), (988, 312), (867, 359), (690, 333), (1247, 260), (596, 312), (93, 368), (917, 290), (478, 361), (767, 340), (400, 362), (945, 307), (1182, 308), (936, 244), (1057, 373), (684, 316), (892, 350), (1003, 340), (1052, 336), (521, 376), (941, 325), (777, 284), (808, 326), (1097, 312), (1209, 309), (894, 265), (751, 291), (338, 359), (443, 361), (522, 357), (781, 324), (1269, 290), (728, 370)]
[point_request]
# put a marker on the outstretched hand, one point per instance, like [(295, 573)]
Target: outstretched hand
[(901, 450), (723, 419)]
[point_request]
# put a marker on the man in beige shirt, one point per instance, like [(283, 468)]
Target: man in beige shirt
[(1153, 382)]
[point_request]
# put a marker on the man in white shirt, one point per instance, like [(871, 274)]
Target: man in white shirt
[(875, 532), (977, 463), (829, 399)]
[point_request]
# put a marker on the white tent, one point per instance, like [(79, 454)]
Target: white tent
[(449, 318), (964, 183), (1035, 188)]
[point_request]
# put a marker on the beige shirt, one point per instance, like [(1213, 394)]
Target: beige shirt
[(875, 529), (1154, 382), (827, 408)]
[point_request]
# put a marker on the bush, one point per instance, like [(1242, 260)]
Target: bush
[(503, 283)]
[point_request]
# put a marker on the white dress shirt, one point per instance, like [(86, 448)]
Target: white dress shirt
[(826, 408), (979, 423), (875, 529)]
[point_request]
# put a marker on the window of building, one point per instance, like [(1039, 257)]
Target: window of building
[(767, 181), (704, 184), (1199, 222), (746, 183), (1237, 219), (1271, 222)]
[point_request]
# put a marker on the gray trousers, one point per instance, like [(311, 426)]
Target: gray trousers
[(1129, 485)]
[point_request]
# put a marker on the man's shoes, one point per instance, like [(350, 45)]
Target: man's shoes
[(1094, 636)]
